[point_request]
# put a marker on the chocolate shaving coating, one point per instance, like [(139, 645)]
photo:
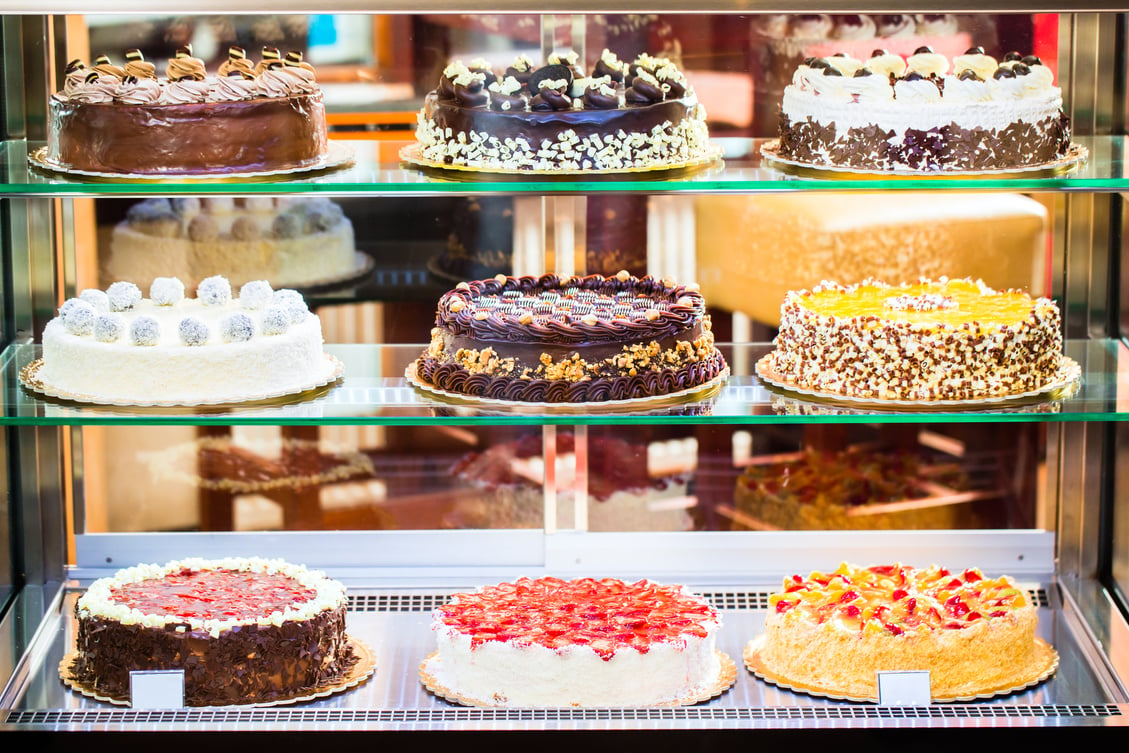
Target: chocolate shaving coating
[(247, 664)]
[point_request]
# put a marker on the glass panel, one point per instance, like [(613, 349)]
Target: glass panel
[(378, 173), (252, 478), (374, 391)]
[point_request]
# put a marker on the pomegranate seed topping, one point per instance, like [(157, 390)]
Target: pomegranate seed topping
[(899, 594), (954, 583), (972, 616), (797, 579), (956, 607), (894, 629), (848, 596), (1000, 613), (783, 606), (971, 576), (911, 605), (852, 611)]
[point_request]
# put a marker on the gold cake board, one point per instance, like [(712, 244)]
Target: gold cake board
[(361, 671), (1060, 386), (431, 669), (1043, 664)]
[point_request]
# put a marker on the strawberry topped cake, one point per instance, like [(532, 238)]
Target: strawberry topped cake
[(551, 642), (831, 633), (243, 630)]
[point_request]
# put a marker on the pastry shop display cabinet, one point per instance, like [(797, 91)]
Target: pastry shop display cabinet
[(408, 498)]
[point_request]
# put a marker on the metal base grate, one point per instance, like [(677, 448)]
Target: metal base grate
[(211, 716), (724, 600)]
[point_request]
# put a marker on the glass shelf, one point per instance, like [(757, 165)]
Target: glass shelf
[(378, 172), (374, 391)]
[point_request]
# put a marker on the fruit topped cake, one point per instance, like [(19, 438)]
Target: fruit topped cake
[(570, 339), (832, 632), (250, 117), (929, 340), (619, 115), (924, 113), (551, 642), (244, 630)]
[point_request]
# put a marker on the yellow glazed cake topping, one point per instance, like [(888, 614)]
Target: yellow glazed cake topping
[(942, 340), (951, 302)]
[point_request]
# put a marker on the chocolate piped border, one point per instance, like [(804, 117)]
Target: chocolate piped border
[(452, 377)]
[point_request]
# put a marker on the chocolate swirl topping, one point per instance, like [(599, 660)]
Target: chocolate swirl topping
[(569, 310)]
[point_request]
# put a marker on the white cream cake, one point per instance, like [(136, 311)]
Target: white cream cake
[(555, 643), (290, 242), (114, 345), (924, 113)]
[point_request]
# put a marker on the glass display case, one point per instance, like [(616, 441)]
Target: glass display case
[(408, 497)]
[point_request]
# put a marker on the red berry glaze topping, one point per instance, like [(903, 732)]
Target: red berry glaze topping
[(606, 615), (213, 594)]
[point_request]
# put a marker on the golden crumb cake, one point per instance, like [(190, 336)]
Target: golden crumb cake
[(832, 632), (928, 340)]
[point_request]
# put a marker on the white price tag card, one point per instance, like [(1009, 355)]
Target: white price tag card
[(158, 689), (904, 688)]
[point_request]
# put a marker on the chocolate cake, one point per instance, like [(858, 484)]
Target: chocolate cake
[(621, 116), (570, 340), (924, 113), (243, 630), (107, 120)]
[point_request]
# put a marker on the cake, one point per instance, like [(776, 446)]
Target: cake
[(289, 242), (929, 340), (570, 340), (852, 489), (114, 345), (553, 643), (833, 632), (630, 486), (267, 117), (753, 249), (924, 113), (783, 41), (243, 630), (618, 116)]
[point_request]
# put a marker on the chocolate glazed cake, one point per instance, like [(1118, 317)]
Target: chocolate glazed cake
[(204, 137), (244, 631), (570, 340), (621, 116)]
